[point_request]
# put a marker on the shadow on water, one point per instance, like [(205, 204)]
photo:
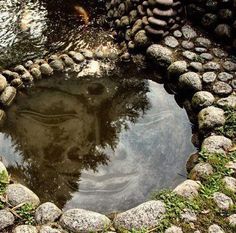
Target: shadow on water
[(102, 144)]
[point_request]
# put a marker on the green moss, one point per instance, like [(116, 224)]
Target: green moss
[(26, 213)]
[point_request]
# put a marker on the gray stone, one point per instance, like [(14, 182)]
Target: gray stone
[(25, 229), (209, 77), (190, 81), (177, 68), (144, 216), (222, 201), (201, 171), (174, 229), (211, 117), (216, 144), (68, 61), (224, 76), (232, 220), (211, 66), (190, 55), (6, 219), (57, 65), (8, 96), (48, 229), (171, 41), (222, 88), (47, 213), (79, 220), (203, 42), (229, 102), (160, 55), (188, 189), (196, 66), (200, 49), (187, 44), (219, 52), (189, 215), (177, 33), (202, 99), (18, 194), (188, 32), (206, 56), (229, 66), (46, 69), (230, 183), (215, 229), (3, 83)]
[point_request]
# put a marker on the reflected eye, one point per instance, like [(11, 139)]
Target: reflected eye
[(47, 119)]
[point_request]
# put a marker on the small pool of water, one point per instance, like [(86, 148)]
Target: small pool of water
[(103, 144)]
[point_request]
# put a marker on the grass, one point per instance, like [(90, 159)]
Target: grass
[(26, 214)]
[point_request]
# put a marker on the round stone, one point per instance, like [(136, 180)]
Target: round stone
[(229, 66), (202, 99), (190, 55), (224, 76), (203, 42), (187, 44), (57, 65), (201, 171), (188, 189), (230, 183), (222, 88), (177, 68), (209, 77), (232, 220), (171, 41), (196, 66), (229, 102), (8, 96), (188, 32), (46, 69), (222, 201), (6, 219), (190, 81), (36, 73), (3, 83), (177, 33), (141, 39), (206, 56), (174, 229), (211, 66)]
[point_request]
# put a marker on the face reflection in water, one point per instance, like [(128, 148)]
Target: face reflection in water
[(99, 144)]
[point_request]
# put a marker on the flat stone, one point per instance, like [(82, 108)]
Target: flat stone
[(216, 144), (201, 171), (219, 52), (144, 216), (232, 220), (190, 81), (171, 41), (8, 96), (188, 32), (211, 117), (224, 76), (189, 55), (211, 66), (222, 201), (25, 229), (215, 229), (188, 189), (6, 219), (174, 229), (230, 183), (200, 50), (187, 44), (229, 102), (206, 56), (202, 99), (18, 194), (229, 66), (47, 213), (79, 220), (203, 42), (222, 88), (209, 77)]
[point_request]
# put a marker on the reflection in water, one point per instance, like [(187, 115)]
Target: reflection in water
[(100, 144)]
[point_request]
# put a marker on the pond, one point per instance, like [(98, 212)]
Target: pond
[(100, 143)]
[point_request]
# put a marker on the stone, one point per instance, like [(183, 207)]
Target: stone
[(211, 66), (229, 66), (222, 201), (36, 73), (230, 183), (215, 229), (6, 219), (219, 52), (48, 229), (177, 33), (224, 76), (88, 54), (202, 99), (160, 55), (188, 189), (3, 83), (209, 77), (2, 117), (188, 32), (47, 213), (25, 229), (79, 220), (171, 41), (18, 194), (190, 55), (196, 66), (211, 117), (188, 215), (77, 57), (223, 31), (141, 40), (16, 83), (201, 171), (27, 77), (222, 88), (190, 81), (8, 96), (177, 68), (68, 61), (228, 102), (57, 65), (232, 220), (203, 42), (174, 229), (216, 144), (187, 44), (200, 49), (144, 216), (46, 69), (206, 56)]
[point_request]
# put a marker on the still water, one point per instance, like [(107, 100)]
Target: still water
[(103, 144)]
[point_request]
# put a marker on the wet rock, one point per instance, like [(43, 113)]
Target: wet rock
[(211, 66), (47, 213), (222, 88), (201, 171), (141, 39), (188, 32), (222, 201), (230, 183), (190, 81), (211, 117), (174, 229), (224, 76), (3, 83), (215, 229), (232, 220), (203, 42), (209, 77), (216, 144), (188, 189), (187, 44), (189, 215), (25, 229), (144, 216), (18, 194), (46, 69), (36, 73), (228, 102), (57, 65), (171, 41), (190, 55), (77, 57), (79, 220), (177, 68), (8, 96), (160, 55), (202, 99), (6, 219)]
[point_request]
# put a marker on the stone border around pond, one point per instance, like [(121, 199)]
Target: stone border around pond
[(196, 68)]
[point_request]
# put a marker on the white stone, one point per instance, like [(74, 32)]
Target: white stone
[(188, 189), (222, 201)]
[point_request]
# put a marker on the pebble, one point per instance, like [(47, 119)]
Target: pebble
[(224, 76), (196, 66), (6, 219), (188, 32), (203, 42), (202, 99), (25, 229), (201, 171), (232, 220), (188, 189), (187, 44), (230, 183), (222, 201), (190, 81), (190, 55), (229, 102), (46, 70), (222, 88), (174, 229), (211, 66), (209, 77), (171, 42)]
